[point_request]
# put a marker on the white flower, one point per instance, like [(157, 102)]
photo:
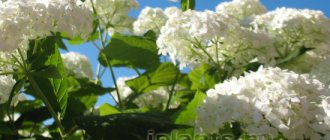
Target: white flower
[(153, 19), (296, 28), (77, 65), (123, 89), (242, 10), (17, 98), (8, 62), (114, 13), (267, 102), (153, 99), (193, 37), (172, 11), (6, 85), (149, 19), (22, 20)]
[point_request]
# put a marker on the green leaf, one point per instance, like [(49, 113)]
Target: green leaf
[(151, 35), (187, 116), (49, 71), (77, 106), (106, 109), (295, 54), (85, 87), (44, 58), (47, 88), (187, 4), (125, 126), (131, 51), (38, 137), (164, 75), (6, 129), (204, 77), (34, 115), (27, 105), (75, 41)]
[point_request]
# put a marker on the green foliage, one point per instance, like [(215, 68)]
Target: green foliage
[(188, 115), (126, 51), (107, 109), (187, 4), (164, 75), (83, 87), (31, 116), (295, 54), (6, 129), (125, 126), (45, 62), (205, 77)]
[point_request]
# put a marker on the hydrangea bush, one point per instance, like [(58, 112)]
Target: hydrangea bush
[(237, 72)]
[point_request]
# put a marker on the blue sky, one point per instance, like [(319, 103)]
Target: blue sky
[(90, 51)]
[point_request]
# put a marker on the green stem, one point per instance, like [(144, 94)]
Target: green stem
[(115, 83), (10, 73), (137, 71), (102, 40), (98, 72), (172, 90), (111, 69), (48, 105), (188, 4), (39, 92)]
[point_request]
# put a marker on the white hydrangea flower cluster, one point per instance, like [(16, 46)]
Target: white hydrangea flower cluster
[(268, 102), (242, 10), (6, 85), (123, 89), (77, 65), (149, 19), (7, 82), (153, 19), (153, 99), (193, 37), (295, 28), (114, 13), (22, 20)]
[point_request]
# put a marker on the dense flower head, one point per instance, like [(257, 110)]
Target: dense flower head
[(267, 102), (172, 11), (242, 10), (295, 28), (22, 20), (77, 65), (114, 13), (8, 65), (181, 31), (194, 37), (150, 19), (7, 83)]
